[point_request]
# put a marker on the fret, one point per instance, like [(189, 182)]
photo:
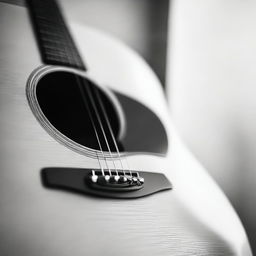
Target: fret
[(54, 40), (56, 54), (52, 48), (51, 33)]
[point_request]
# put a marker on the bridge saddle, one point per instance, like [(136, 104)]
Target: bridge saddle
[(116, 180)]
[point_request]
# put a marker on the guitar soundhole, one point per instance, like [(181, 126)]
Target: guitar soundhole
[(74, 106)]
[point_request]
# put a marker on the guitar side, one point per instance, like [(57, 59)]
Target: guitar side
[(194, 218)]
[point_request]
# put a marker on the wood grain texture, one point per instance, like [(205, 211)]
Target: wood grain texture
[(193, 219)]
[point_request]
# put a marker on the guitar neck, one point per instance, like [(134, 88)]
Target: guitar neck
[(55, 42)]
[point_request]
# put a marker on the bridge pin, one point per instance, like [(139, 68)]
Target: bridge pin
[(107, 178), (123, 179), (134, 179), (94, 177), (117, 177)]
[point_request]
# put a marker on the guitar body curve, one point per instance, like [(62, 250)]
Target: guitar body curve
[(194, 218)]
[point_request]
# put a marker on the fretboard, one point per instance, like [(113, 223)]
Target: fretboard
[(54, 40)]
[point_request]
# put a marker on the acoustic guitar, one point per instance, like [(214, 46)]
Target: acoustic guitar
[(90, 162)]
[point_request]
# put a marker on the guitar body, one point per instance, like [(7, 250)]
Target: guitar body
[(194, 218)]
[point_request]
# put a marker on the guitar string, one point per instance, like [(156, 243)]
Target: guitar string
[(111, 131), (101, 126), (82, 86), (93, 124), (86, 105), (88, 89)]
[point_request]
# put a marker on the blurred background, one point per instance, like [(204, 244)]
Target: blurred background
[(204, 53), (211, 84)]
